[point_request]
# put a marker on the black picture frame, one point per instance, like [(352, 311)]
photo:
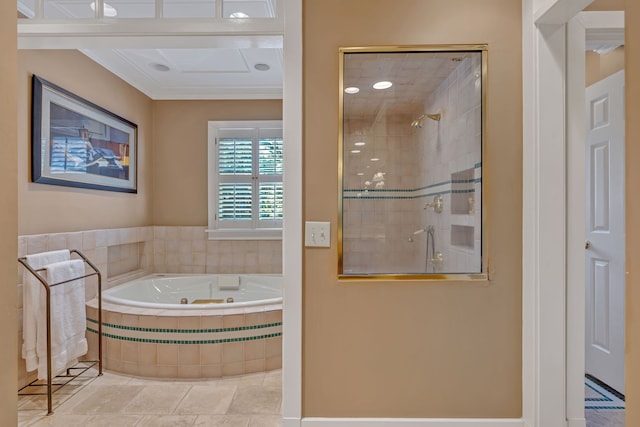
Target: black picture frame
[(76, 143)]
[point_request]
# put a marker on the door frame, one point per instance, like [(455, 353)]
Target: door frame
[(598, 27), (553, 191)]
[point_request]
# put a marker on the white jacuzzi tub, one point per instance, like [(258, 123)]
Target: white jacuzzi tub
[(166, 291)]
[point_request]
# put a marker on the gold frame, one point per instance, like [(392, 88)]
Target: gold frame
[(484, 251)]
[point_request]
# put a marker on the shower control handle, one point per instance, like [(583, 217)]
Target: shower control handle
[(436, 205)]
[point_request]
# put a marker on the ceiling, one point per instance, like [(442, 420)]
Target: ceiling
[(235, 71), (414, 75)]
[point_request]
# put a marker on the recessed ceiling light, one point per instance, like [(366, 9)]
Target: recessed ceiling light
[(382, 85), (360, 173), (360, 144), (374, 159), (109, 11), (262, 67), (238, 15), (351, 90), (355, 151), (159, 67)]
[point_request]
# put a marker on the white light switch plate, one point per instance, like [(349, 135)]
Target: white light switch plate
[(317, 234)]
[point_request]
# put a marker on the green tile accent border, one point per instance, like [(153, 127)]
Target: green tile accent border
[(388, 193), (159, 341), (186, 331)]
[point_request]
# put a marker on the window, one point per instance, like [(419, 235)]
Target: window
[(245, 180)]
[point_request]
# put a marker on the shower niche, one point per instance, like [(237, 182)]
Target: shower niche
[(411, 136)]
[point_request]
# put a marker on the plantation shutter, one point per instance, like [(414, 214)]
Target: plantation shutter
[(249, 167)]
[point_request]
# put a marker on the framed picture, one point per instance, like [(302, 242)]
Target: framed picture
[(77, 143)]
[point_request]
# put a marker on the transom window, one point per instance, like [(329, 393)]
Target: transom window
[(245, 180)]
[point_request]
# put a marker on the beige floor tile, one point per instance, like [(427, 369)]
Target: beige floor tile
[(248, 379), (108, 399), (39, 403), (26, 418), (111, 378), (167, 421), (265, 421), (157, 399), (108, 420), (251, 399), (222, 421), (207, 399), (273, 378), (61, 420)]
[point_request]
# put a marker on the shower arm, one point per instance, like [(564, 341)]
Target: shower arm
[(419, 122)]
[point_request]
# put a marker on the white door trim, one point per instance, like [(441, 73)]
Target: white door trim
[(292, 226), (553, 190), (576, 137), (586, 27)]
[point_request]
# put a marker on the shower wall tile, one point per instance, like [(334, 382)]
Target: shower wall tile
[(376, 232)]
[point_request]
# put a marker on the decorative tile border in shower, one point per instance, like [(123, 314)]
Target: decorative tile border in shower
[(435, 189)]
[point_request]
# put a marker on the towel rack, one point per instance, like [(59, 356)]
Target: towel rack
[(47, 287)]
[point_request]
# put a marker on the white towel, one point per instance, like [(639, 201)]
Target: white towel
[(68, 318), (33, 309)]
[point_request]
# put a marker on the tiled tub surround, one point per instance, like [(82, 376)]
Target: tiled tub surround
[(187, 250), (189, 343), (160, 249), (418, 164), (95, 245)]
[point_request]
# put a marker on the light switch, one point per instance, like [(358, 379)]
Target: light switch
[(317, 234)]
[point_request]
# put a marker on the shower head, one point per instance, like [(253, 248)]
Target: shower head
[(419, 122)]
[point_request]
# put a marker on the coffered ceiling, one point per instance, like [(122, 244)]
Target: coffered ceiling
[(233, 69)]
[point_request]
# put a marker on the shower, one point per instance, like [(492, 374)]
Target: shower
[(419, 122)]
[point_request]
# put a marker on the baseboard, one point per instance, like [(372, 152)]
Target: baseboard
[(577, 422), (406, 422), (290, 422)]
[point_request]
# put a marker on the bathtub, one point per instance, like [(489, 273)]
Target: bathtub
[(166, 291), (148, 332)]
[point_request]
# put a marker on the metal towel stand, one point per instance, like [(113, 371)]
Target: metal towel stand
[(47, 288)]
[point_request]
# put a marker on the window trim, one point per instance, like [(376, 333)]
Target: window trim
[(213, 232)]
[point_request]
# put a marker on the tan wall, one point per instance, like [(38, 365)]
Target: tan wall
[(632, 70), (601, 66), (8, 216), (413, 349), (180, 153), (72, 209), (604, 5)]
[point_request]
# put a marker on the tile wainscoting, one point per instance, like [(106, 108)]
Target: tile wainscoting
[(124, 254)]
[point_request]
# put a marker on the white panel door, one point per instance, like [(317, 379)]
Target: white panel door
[(605, 250)]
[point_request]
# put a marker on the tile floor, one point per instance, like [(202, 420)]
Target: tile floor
[(253, 400), (602, 407), (604, 418)]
